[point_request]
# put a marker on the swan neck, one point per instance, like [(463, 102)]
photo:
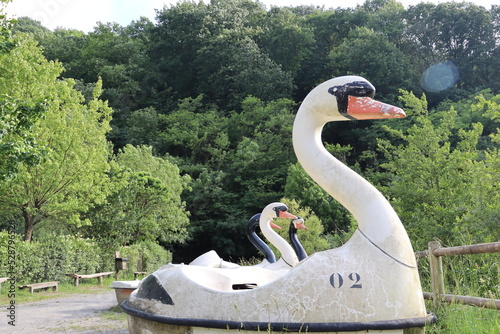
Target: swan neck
[(375, 216), (287, 252)]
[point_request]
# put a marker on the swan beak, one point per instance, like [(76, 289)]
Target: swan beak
[(367, 108), (299, 223), (285, 214), (301, 226), (273, 225)]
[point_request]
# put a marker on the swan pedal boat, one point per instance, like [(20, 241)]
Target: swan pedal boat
[(369, 285)]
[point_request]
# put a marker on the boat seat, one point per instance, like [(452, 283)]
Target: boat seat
[(230, 279)]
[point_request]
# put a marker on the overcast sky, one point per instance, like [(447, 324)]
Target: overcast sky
[(83, 14)]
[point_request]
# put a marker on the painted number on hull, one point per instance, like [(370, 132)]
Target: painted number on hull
[(337, 281)]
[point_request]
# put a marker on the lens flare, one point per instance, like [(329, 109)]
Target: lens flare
[(439, 77)]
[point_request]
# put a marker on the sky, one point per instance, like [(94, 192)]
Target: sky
[(83, 14)]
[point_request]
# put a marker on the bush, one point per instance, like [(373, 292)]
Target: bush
[(145, 256), (52, 258)]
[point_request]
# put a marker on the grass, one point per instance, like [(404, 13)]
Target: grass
[(64, 289), (114, 313), (464, 319)]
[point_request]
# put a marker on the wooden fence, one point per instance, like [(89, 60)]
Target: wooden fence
[(435, 253)]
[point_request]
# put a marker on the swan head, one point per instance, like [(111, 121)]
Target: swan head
[(254, 222), (299, 223), (276, 210), (347, 98)]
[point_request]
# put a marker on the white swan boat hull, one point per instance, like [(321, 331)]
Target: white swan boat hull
[(333, 290), (369, 285)]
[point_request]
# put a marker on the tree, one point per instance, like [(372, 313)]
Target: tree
[(211, 50), (481, 220), (386, 16), (17, 115), (17, 144), (282, 31), (460, 32), (330, 29), (194, 133), (263, 151), (234, 67), (433, 179), (144, 203), (143, 127), (34, 28), (372, 55), (72, 174), (6, 41)]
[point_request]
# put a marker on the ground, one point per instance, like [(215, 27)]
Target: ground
[(81, 313)]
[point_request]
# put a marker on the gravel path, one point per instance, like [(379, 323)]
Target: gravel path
[(70, 314)]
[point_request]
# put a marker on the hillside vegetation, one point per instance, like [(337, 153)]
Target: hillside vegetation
[(175, 132)]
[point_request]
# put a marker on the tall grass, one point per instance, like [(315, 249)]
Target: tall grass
[(464, 319), (467, 275)]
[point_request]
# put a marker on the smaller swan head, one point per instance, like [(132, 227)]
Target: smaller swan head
[(299, 223), (276, 210)]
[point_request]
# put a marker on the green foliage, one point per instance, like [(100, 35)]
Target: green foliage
[(143, 127), (461, 32), (204, 86), (55, 255), (439, 188), (18, 111), (197, 135), (145, 256), (71, 134), (282, 31), (374, 56), (246, 71), (263, 154), (6, 41), (144, 202), (482, 217), (386, 16), (17, 144), (52, 258)]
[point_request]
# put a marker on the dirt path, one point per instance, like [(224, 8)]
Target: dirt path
[(71, 314)]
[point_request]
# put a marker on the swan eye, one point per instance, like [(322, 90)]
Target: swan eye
[(279, 209), (355, 88)]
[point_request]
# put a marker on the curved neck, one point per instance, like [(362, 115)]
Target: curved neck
[(287, 252), (376, 219), (297, 246), (256, 241)]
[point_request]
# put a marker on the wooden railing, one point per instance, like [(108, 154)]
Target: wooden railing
[(435, 253)]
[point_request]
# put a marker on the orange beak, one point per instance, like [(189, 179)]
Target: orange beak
[(273, 225), (367, 108), (301, 226), (285, 214), (299, 223)]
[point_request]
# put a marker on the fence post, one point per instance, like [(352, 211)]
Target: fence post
[(437, 277)]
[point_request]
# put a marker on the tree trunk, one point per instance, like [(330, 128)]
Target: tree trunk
[(29, 225)]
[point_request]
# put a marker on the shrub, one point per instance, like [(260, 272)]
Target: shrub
[(145, 256), (52, 258)]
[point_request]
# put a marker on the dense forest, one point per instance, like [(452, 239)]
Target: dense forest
[(177, 131)]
